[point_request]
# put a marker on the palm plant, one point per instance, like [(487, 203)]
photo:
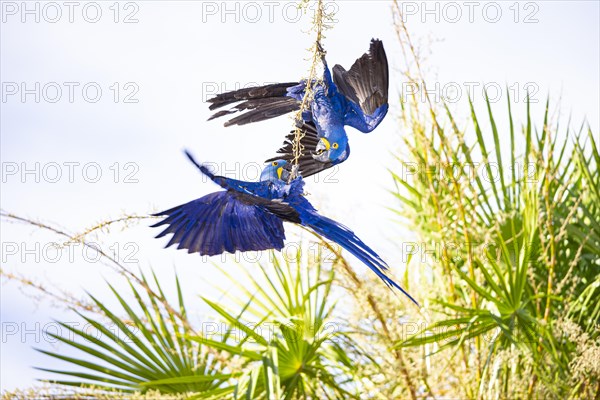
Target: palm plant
[(519, 253), (509, 213), (281, 332), (280, 340), (147, 347)]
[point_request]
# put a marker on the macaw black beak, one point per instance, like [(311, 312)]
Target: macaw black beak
[(321, 152), (283, 173)]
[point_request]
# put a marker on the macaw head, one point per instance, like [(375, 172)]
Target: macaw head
[(331, 148), (275, 171)]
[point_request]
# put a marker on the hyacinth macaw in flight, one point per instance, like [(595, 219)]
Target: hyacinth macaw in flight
[(357, 98), (249, 216)]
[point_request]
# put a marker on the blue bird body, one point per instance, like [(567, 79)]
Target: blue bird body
[(356, 98), (250, 215)]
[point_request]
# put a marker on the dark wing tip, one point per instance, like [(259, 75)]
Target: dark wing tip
[(192, 159), (367, 82), (374, 43), (220, 114), (159, 223), (395, 285), (201, 167), (375, 47)]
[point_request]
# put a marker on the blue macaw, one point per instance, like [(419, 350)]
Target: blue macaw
[(357, 98), (309, 141), (249, 216)]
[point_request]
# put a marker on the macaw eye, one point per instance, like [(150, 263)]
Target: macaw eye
[(335, 146), (274, 163)]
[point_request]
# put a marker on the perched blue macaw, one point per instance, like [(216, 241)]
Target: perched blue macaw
[(249, 216), (357, 98)]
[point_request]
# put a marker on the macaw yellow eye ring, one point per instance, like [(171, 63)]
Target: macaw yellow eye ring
[(335, 146), (274, 163)]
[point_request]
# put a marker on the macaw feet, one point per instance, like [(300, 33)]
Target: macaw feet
[(322, 52)]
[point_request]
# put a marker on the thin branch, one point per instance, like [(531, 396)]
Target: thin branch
[(114, 263)]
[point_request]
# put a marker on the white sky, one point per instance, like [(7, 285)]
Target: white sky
[(175, 56)]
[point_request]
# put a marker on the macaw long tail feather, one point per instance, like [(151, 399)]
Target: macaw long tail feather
[(343, 236)]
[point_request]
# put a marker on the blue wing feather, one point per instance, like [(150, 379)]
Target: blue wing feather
[(221, 222)]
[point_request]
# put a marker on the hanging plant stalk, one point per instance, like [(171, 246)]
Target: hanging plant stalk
[(321, 21)]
